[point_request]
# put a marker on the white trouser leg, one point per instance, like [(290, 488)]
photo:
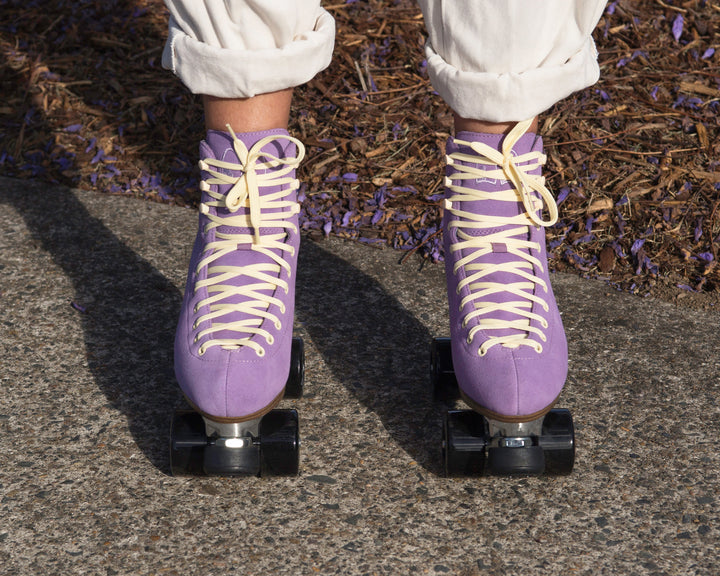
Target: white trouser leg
[(241, 48), (509, 60)]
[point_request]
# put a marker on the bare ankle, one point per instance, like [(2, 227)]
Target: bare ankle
[(261, 112), (471, 125)]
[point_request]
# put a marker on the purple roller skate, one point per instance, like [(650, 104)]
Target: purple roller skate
[(235, 356), (507, 350)]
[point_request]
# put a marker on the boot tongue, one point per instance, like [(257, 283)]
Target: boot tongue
[(528, 142), (219, 145)]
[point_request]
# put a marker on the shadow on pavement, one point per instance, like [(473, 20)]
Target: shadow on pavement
[(373, 345), (131, 311)]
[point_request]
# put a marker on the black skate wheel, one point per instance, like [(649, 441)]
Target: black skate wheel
[(464, 441), (558, 442), (193, 453), (296, 378), (280, 443), (222, 460), (442, 373), (527, 461), (187, 443)]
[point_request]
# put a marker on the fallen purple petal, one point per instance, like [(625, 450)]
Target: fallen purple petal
[(78, 307), (677, 27)]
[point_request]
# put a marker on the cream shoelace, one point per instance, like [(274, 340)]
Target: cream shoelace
[(273, 210), (515, 170)]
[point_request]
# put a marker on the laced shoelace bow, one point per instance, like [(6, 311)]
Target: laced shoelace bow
[(515, 229), (270, 210)]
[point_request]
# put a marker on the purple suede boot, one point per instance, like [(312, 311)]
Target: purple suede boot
[(233, 341), (508, 344)]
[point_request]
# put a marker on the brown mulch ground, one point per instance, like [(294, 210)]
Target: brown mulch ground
[(632, 160)]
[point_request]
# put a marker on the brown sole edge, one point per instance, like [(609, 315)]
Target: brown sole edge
[(503, 417), (230, 420)]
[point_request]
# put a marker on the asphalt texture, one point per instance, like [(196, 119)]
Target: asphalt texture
[(90, 288)]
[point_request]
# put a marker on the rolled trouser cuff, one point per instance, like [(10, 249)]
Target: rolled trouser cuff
[(240, 73), (511, 97)]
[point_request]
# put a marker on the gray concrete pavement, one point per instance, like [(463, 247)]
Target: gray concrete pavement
[(87, 394)]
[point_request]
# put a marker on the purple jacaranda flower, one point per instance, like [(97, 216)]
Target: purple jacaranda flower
[(345, 222), (379, 198), (637, 245), (589, 223), (396, 130), (350, 177), (686, 287), (73, 128), (677, 27), (650, 266), (709, 53), (98, 156), (698, 230), (327, 228), (611, 8), (618, 249), (377, 217), (64, 162), (578, 260), (562, 195), (78, 307), (707, 256), (653, 92)]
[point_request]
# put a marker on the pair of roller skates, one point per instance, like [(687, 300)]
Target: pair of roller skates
[(507, 357)]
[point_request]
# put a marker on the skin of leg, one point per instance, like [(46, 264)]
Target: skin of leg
[(262, 112), (471, 125)]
